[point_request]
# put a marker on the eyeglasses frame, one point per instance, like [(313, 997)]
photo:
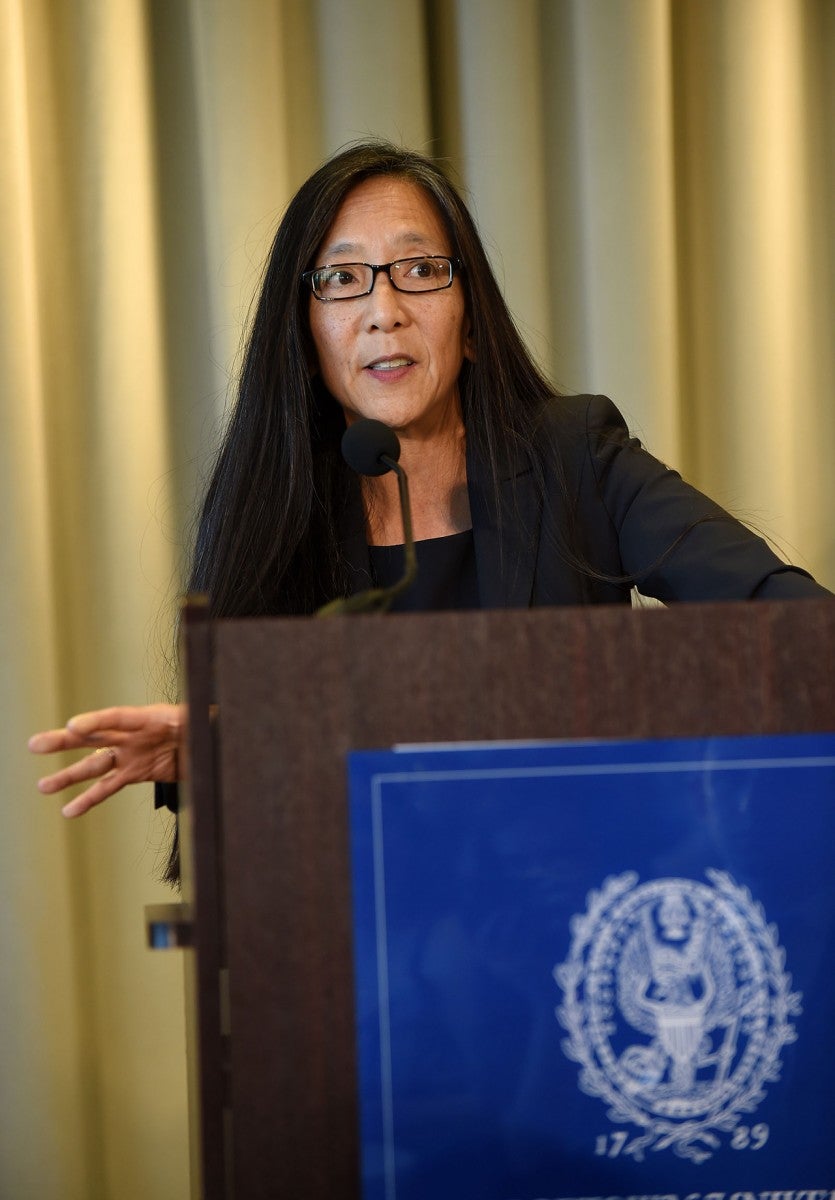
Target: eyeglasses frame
[(455, 264)]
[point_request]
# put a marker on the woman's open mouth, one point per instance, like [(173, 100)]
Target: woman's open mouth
[(393, 366)]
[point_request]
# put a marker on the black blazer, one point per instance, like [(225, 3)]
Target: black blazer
[(585, 515), (588, 512)]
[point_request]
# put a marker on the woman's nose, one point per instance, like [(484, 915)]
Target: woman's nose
[(385, 303)]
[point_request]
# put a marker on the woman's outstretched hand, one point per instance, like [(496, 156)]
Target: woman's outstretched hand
[(130, 745)]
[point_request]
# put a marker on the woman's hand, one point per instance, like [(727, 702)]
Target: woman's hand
[(130, 745)]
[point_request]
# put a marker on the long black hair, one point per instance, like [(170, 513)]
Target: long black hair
[(270, 519)]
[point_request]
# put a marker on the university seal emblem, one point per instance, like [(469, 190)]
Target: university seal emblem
[(677, 1006)]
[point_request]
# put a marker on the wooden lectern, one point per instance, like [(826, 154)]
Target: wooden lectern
[(275, 707)]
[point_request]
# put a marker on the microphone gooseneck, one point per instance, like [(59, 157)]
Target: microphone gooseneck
[(371, 448)]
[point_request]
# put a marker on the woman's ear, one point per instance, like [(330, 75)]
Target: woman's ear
[(469, 343)]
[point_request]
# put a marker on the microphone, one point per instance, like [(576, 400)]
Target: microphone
[(367, 444), (371, 448)]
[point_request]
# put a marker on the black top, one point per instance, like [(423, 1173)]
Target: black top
[(446, 575)]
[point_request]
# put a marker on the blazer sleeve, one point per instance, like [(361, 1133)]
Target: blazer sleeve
[(675, 542), (167, 795)]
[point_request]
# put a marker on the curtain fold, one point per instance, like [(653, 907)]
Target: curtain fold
[(43, 1114), (755, 156), (655, 182)]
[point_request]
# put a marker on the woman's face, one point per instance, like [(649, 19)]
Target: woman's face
[(395, 356)]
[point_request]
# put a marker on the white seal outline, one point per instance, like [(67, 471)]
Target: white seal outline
[(695, 1140)]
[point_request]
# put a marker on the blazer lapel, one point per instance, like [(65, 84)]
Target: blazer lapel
[(506, 537)]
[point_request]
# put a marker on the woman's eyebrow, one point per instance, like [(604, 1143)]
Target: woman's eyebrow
[(407, 239), (341, 248)]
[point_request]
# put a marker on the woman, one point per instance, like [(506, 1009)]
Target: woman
[(378, 300)]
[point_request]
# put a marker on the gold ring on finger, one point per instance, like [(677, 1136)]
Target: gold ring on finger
[(112, 752)]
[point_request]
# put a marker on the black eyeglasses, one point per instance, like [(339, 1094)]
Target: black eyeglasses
[(346, 281)]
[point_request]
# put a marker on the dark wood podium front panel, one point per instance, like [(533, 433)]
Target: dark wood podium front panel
[(293, 697)]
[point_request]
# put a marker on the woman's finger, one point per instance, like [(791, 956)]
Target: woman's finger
[(53, 740), (92, 766), (125, 718), (101, 790), (86, 728)]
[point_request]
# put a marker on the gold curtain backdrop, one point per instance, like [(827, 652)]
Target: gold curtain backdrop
[(655, 180)]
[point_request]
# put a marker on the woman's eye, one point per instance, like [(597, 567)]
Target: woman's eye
[(337, 278), (424, 268)]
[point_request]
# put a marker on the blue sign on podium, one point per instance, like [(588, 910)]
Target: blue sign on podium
[(596, 969)]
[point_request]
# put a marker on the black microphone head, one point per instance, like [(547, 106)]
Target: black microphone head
[(364, 441)]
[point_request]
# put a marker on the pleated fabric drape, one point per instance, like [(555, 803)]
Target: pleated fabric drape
[(655, 182)]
